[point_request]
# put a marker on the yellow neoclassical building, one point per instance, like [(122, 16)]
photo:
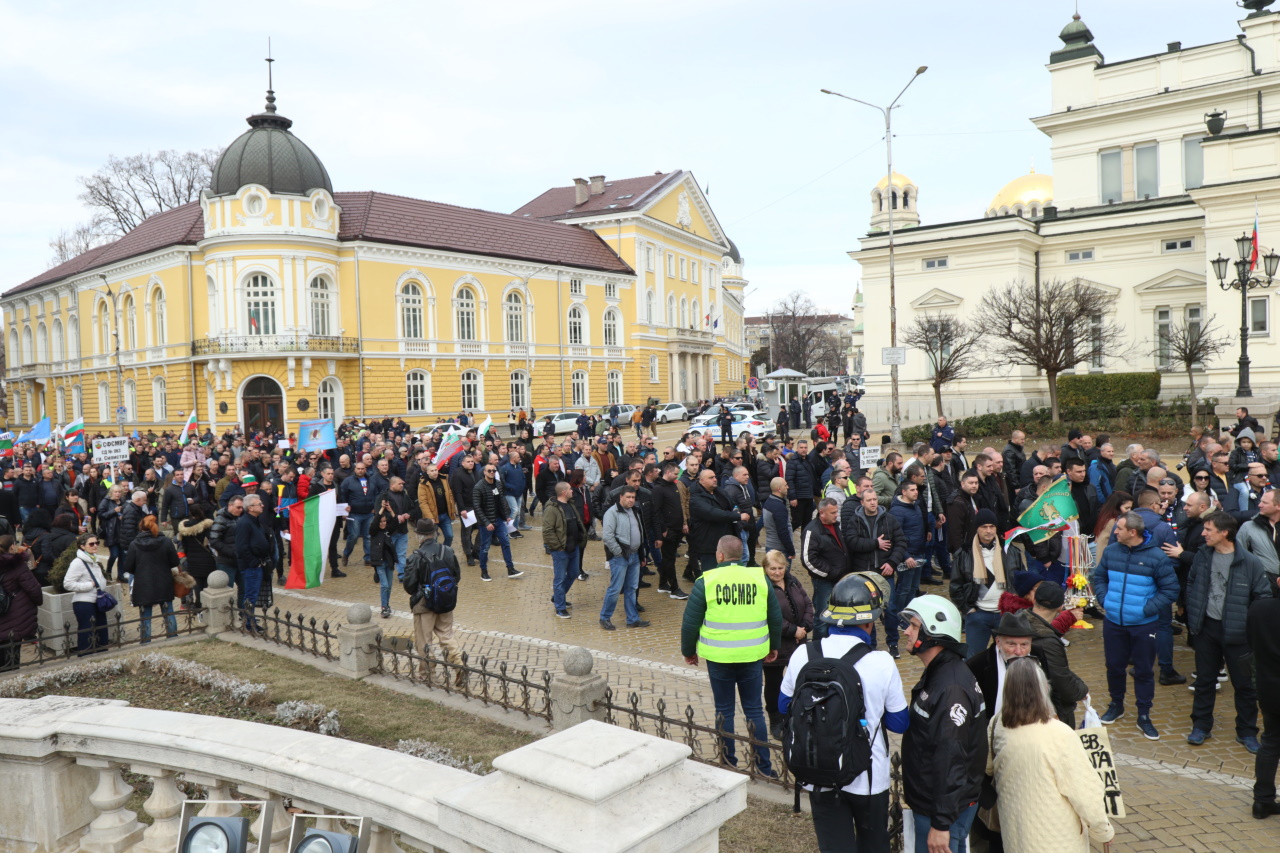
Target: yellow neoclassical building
[(275, 299)]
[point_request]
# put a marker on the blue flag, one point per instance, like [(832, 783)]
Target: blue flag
[(316, 435), (135, 433), (42, 431)]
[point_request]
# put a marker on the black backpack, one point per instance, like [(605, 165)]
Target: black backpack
[(827, 742), (429, 581)]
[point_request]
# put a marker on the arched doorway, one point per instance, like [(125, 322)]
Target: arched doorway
[(263, 403)]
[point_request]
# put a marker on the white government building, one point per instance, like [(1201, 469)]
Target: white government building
[(1141, 199)]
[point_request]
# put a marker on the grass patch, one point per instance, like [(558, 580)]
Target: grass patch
[(767, 827)]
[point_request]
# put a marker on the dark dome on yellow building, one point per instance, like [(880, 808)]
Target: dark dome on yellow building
[(269, 155)]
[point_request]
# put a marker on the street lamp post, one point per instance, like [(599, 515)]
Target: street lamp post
[(1244, 282), (115, 328), (895, 426)]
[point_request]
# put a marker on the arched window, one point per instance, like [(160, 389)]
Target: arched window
[(576, 337), (28, 346), (57, 353), (42, 344), (650, 307), (877, 200), (472, 391), (73, 337), (684, 313), (60, 404), (130, 400), (215, 313), (653, 368), (130, 324), (15, 354), (329, 399), (104, 329), (611, 326), (159, 400), (465, 305), (105, 415), (419, 392), (615, 387), (906, 199), (260, 301), (696, 319), (159, 320), (519, 389), (579, 385), (895, 199), (514, 309), (17, 405), (321, 307), (671, 310), (711, 312), (77, 402), (411, 311)]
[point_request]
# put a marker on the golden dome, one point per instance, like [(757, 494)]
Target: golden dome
[(899, 180), (1026, 190)]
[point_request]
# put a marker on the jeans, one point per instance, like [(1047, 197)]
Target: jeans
[(941, 553), (1264, 766), (565, 566), (624, 577), (1122, 644), (517, 510), (748, 680), (1164, 638), (231, 570), (1211, 652), (977, 630), (250, 584), (23, 512), (384, 572), (704, 562), (358, 528), (959, 829), (117, 555), (499, 532), (821, 594), (446, 527), (91, 626), (850, 823), (170, 621), (401, 543), (904, 585)]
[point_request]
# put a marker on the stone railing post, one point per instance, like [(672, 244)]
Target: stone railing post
[(576, 790), (278, 833), (115, 829), (577, 693), (219, 601), (217, 793), (165, 806), (357, 642)]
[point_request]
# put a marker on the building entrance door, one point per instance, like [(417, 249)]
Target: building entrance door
[(263, 402)]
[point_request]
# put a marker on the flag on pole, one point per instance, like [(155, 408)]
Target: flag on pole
[(310, 526), (1253, 255), (485, 427), (6, 444), (188, 428), (135, 433), (1050, 514), (73, 436), (449, 447), (316, 435), (42, 431)]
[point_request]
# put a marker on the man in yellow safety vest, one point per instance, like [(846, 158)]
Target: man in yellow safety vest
[(733, 620)]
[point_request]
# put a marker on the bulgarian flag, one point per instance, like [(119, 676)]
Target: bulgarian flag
[(6, 444), (484, 427), (310, 526), (188, 428), (449, 447), (73, 436)]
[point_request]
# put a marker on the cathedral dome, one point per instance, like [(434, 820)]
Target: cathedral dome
[(1024, 196), (269, 155), (899, 180)]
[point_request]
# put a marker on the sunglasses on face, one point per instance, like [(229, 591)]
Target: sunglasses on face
[(1200, 477), (93, 544)]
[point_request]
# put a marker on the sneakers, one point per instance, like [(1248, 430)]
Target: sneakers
[(1249, 742), (513, 572), (386, 613), (643, 585), (892, 649), (1114, 712), (516, 534), (337, 573), (644, 623), (563, 614), (583, 576), (607, 625), (1172, 677), (1148, 731), (1198, 736), (679, 594), (484, 575)]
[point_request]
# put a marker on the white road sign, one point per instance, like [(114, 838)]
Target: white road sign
[(893, 355), (110, 450)]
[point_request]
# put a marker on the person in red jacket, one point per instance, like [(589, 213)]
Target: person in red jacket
[(1023, 598)]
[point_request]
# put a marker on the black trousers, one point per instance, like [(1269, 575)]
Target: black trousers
[(468, 538), (1211, 651), (801, 513), (772, 690), (850, 823), (667, 569), (1264, 767)]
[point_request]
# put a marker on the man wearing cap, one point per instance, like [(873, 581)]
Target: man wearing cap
[(1065, 687), (1072, 449), (979, 575)]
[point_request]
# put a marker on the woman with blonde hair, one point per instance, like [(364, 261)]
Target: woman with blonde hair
[(1051, 800)]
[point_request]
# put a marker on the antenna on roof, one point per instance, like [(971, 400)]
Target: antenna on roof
[(271, 94)]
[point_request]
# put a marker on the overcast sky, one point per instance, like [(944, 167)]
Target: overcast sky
[(486, 104)]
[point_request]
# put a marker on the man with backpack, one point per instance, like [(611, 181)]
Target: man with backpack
[(431, 576), (840, 698)]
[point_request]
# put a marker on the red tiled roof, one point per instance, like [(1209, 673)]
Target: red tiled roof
[(382, 218), (558, 202)]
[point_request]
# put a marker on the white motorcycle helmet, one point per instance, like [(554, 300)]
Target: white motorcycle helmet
[(940, 622)]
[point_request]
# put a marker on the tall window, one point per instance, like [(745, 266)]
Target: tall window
[(42, 344), (28, 347), (1164, 331), (696, 320), (671, 310), (1146, 170), (579, 387), (615, 387), (1095, 342), (260, 299), (514, 308), (15, 353), (519, 390), (130, 324), (215, 312), (1192, 163), (104, 329), (73, 337), (472, 399), (1109, 176), (715, 370), (60, 404), (465, 305), (130, 400), (77, 402), (1259, 315), (610, 290), (417, 400), (650, 307), (159, 400), (648, 257), (653, 368), (684, 313), (410, 311), (321, 307), (684, 275), (104, 404), (327, 400), (158, 318), (575, 325), (58, 354), (693, 271), (671, 265), (611, 324)]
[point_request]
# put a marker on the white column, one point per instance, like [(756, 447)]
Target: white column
[(288, 275)]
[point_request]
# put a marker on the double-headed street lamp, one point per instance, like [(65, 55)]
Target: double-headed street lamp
[(1244, 282), (895, 414), (121, 409)]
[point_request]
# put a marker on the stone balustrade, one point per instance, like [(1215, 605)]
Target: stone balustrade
[(577, 790)]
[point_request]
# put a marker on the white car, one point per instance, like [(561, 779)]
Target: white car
[(757, 424), (562, 422), (446, 429), (672, 412), (738, 409), (624, 413)]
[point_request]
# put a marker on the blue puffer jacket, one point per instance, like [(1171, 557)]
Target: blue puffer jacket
[(912, 522), (1133, 584), (513, 480)]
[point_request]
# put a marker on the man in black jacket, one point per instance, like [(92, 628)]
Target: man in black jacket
[(800, 485), (874, 541), (669, 527), (1262, 627), (463, 482), (742, 497), (357, 492), (397, 499), (822, 552), (1082, 492), (979, 575), (711, 515), (253, 554), (492, 513), (1015, 457), (173, 502)]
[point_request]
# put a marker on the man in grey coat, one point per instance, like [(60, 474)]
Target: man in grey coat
[(624, 539)]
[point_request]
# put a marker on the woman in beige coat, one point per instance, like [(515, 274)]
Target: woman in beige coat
[(1051, 799)]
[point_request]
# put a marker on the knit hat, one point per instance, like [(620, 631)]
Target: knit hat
[(1050, 596), (1074, 433), (984, 516), (1024, 582)]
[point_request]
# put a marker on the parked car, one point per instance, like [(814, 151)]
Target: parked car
[(757, 424), (624, 412), (714, 413), (672, 412), (563, 422), (446, 429)]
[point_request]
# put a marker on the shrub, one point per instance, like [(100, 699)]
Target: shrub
[(309, 716), (1100, 389), (1149, 416), (440, 755), (58, 573)]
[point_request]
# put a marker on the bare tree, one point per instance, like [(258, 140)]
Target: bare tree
[(127, 190), (950, 345), (802, 339), (76, 240), (1052, 327), (1190, 345)]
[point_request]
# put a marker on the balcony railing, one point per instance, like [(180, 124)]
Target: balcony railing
[(232, 344)]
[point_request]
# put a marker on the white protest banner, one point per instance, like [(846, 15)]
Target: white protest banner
[(1098, 747), (108, 451), (869, 457)]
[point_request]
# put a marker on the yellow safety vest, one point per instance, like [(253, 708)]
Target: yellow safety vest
[(735, 628)]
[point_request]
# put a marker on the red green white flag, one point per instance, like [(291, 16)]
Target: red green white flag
[(1253, 255), (310, 526), (188, 428)]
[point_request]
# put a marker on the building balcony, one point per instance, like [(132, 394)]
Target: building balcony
[(252, 344)]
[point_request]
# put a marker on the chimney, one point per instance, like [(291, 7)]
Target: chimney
[(580, 194), (1175, 46), (597, 184), (1050, 212)]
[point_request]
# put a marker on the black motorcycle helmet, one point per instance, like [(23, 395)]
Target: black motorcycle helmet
[(855, 600)]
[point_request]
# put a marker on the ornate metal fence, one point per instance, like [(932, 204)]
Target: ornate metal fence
[(50, 647), (299, 633)]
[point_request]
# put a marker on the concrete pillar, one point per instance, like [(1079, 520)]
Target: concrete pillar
[(576, 693), (219, 601), (358, 642)]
